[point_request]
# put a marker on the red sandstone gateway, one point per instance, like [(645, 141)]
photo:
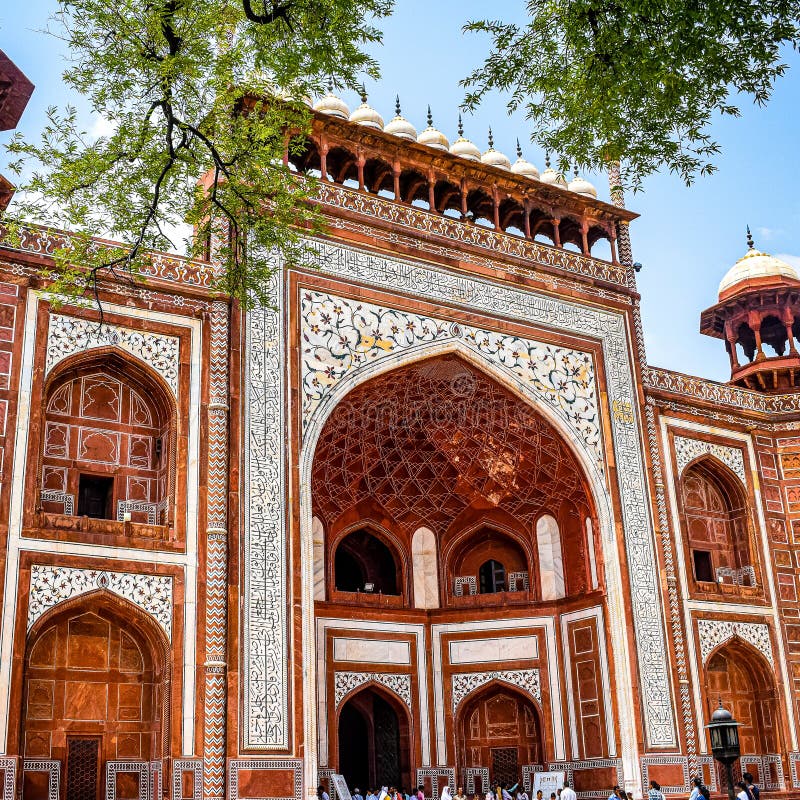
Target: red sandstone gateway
[(429, 520)]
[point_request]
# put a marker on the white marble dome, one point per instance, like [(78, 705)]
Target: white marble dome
[(524, 168), (551, 177), (580, 185), (431, 137), (367, 116), (464, 148), (755, 266), (329, 103), (399, 126), (494, 158)]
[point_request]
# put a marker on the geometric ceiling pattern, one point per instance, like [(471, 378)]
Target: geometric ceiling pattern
[(429, 440)]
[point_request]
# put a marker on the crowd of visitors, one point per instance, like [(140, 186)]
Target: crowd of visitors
[(746, 789)]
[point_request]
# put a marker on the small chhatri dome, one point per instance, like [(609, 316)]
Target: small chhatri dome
[(523, 167), (400, 126), (366, 115), (329, 103), (494, 158), (464, 148), (582, 186), (753, 269), (432, 137), (550, 176), (721, 714)]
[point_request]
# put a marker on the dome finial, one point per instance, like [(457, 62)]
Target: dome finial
[(460, 126), (363, 93), (330, 84), (750, 243), (397, 105), (547, 158), (575, 169), (491, 138), (519, 150), (430, 117)]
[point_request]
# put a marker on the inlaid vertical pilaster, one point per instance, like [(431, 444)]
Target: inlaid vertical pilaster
[(216, 557)]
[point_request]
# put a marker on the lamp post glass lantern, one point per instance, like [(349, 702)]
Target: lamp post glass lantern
[(724, 734)]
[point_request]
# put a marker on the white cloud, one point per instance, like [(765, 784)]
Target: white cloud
[(768, 233), (102, 127)]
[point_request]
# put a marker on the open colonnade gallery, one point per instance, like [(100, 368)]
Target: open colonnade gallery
[(428, 517)]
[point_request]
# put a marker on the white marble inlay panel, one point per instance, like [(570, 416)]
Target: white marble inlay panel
[(687, 450), (480, 651), (371, 651)]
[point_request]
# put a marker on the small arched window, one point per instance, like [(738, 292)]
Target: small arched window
[(107, 444), (363, 563), (492, 577)]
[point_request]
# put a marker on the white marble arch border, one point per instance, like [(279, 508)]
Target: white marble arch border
[(596, 479), (418, 277), (692, 607), (17, 543)]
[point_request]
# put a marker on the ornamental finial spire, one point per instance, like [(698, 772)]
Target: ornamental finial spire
[(430, 118), (519, 150), (460, 127), (363, 93), (397, 105), (491, 138), (750, 242), (547, 158)]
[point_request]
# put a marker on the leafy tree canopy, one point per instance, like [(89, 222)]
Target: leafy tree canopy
[(172, 78), (635, 81)]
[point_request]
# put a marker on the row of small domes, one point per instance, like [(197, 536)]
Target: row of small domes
[(431, 137)]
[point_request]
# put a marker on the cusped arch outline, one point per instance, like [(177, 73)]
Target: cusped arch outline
[(495, 680), (373, 680)]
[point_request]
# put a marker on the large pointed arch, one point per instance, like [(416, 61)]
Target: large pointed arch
[(587, 461)]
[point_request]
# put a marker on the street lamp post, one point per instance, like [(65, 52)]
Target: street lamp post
[(725, 742)]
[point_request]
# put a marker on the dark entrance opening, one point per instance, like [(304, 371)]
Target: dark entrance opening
[(94, 496), (373, 742)]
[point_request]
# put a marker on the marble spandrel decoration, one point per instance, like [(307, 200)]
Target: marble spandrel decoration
[(687, 450), (52, 585), (340, 335), (714, 632), (68, 335), (465, 683)]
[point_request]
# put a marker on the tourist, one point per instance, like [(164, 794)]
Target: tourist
[(371, 795), (522, 794), (744, 792), (322, 794), (490, 795), (568, 793), (655, 792), (357, 794), (446, 793), (504, 793), (420, 792), (460, 794), (751, 786), (615, 793), (539, 795)]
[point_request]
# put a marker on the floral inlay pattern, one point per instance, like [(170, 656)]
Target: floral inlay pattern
[(687, 450), (714, 632), (466, 682), (345, 682), (68, 335), (52, 585), (340, 335)]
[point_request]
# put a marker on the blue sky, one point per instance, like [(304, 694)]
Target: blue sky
[(686, 238)]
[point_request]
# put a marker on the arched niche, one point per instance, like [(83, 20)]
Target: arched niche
[(373, 738), (499, 727), (716, 526), (108, 440), (425, 568), (738, 676), (366, 562), (96, 686), (551, 558)]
